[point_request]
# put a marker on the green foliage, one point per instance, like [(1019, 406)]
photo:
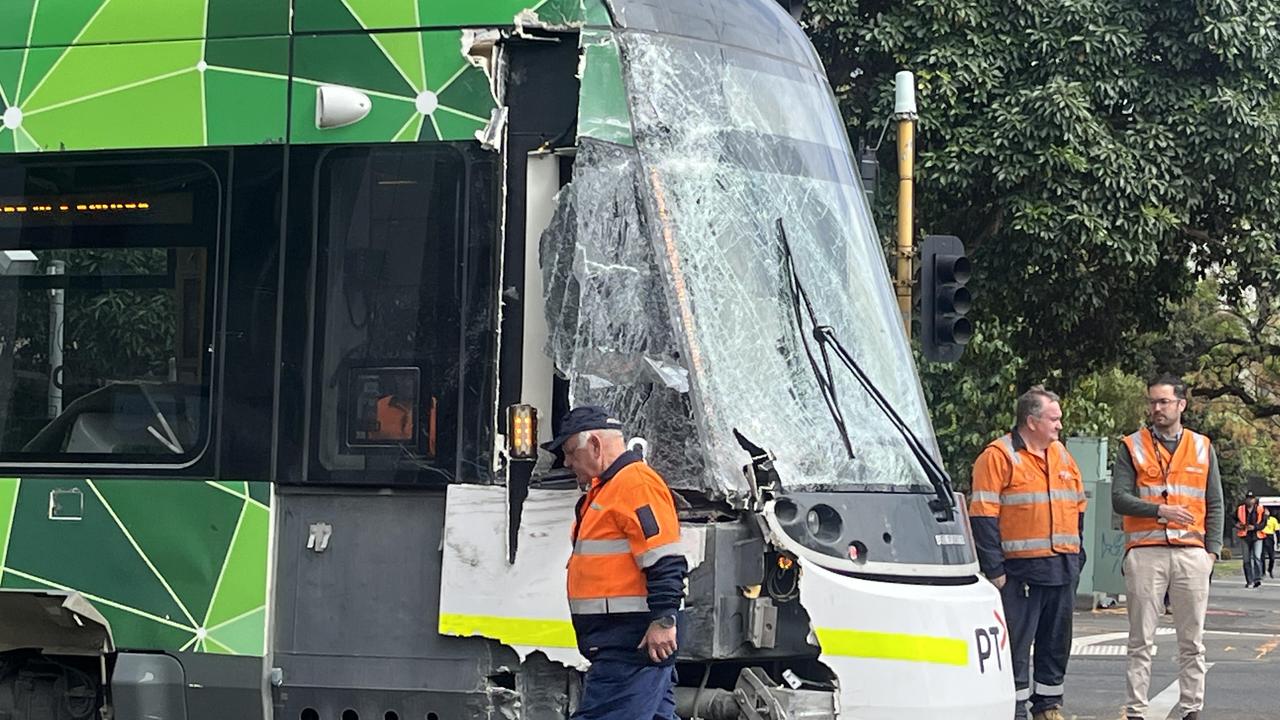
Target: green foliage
[(1099, 158), (1084, 151), (969, 410)]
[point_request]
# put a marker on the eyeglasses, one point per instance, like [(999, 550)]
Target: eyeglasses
[(1161, 402)]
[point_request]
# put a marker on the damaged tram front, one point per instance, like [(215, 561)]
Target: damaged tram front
[(290, 290), (707, 267)]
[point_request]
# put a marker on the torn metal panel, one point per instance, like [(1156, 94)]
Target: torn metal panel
[(610, 328), (546, 688), (521, 604), (492, 135), (944, 642), (552, 15), (54, 622)]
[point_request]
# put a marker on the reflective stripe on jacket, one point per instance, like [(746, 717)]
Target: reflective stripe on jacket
[(1180, 478), (1256, 521), (1038, 512), (624, 525)]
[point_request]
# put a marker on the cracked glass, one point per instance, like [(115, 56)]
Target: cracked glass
[(671, 297)]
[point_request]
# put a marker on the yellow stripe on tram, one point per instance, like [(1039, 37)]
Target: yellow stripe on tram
[(894, 646), (511, 630), (843, 643)]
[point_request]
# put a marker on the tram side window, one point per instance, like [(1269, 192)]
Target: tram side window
[(401, 298), (105, 311)]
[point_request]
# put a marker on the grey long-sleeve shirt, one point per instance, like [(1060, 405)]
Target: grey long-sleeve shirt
[(1125, 500)]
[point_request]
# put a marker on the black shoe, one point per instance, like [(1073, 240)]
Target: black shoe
[(1257, 584), (1193, 715)]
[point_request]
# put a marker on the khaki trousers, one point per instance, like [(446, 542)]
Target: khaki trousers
[(1184, 572)]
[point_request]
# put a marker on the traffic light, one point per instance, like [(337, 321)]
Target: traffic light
[(944, 300)]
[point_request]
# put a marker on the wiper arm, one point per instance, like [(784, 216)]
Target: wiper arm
[(825, 338), (169, 439), (825, 378)]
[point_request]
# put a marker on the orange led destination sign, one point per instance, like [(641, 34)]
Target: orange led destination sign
[(165, 209), (78, 207)]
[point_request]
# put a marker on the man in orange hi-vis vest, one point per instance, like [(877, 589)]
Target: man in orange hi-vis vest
[(1251, 523), (1165, 484), (626, 573), (1027, 512)]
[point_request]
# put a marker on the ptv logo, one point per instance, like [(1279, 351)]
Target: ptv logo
[(991, 641)]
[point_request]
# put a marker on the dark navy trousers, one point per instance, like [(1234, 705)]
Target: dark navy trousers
[(1039, 614), (619, 690)]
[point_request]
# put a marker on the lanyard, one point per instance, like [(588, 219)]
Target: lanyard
[(1165, 464)]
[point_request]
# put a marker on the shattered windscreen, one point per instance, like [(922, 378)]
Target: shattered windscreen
[(732, 141), (675, 306)]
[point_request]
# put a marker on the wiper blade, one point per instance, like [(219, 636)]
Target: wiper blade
[(823, 374), (169, 439), (825, 338)]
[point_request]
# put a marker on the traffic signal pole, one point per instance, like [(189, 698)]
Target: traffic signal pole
[(904, 111)]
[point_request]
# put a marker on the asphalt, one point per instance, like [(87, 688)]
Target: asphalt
[(1242, 641)]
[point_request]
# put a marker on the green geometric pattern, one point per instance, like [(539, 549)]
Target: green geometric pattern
[(172, 565), (317, 15), (115, 74), (58, 23), (421, 87)]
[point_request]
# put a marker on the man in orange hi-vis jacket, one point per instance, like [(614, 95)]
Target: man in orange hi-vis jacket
[(626, 573), (1027, 513), (1166, 486)]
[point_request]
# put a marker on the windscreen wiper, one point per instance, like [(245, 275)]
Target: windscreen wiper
[(824, 337), (169, 439)]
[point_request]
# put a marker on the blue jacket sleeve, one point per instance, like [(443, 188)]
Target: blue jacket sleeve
[(665, 582), (1084, 558), (986, 535)]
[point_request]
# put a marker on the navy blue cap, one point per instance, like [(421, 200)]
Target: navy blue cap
[(582, 419)]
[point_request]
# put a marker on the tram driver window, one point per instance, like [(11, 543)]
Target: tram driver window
[(393, 352)]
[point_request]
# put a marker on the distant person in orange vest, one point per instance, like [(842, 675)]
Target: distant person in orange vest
[(1251, 523), (1027, 513), (1165, 484), (626, 573)]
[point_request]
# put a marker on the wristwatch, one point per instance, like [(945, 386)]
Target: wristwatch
[(665, 621)]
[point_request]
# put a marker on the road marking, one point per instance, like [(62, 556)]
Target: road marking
[(1267, 647), (1162, 705), (1093, 644), (1104, 651), (1230, 633)]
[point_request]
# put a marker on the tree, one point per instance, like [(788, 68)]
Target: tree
[(1225, 346), (1096, 157)]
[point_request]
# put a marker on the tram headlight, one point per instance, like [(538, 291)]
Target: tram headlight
[(824, 523)]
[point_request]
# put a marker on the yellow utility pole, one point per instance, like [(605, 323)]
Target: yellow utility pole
[(904, 111)]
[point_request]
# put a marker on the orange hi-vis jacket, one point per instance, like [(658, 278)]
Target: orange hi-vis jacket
[(1038, 511), (625, 524), (1259, 517), (1180, 478)]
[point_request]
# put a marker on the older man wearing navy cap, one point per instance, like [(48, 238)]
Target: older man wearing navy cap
[(626, 574)]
